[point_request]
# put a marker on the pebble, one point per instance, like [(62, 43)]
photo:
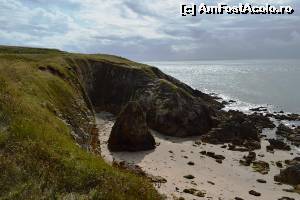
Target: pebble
[(254, 193), (189, 176), (191, 163), (261, 181)]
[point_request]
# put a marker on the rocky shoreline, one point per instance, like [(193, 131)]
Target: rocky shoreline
[(181, 168), (147, 99)]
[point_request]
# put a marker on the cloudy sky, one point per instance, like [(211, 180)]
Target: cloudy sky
[(149, 29)]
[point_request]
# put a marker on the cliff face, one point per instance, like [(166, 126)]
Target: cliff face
[(172, 107)]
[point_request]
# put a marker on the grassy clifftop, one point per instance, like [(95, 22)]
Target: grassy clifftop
[(44, 114)]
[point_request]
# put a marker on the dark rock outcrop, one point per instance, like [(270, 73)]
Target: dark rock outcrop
[(261, 121), (236, 128), (239, 129), (277, 144), (282, 116), (290, 175), (130, 132), (292, 134), (283, 130), (173, 111)]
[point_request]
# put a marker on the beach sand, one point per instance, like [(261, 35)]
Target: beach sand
[(219, 181)]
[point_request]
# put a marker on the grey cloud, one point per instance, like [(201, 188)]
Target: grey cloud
[(159, 35)]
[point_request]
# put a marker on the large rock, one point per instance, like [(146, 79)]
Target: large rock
[(290, 175), (278, 144), (173, 111), (130, 132)]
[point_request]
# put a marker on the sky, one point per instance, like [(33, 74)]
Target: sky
[(150, 30)]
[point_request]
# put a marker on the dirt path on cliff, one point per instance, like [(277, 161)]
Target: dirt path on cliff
[(219, 181)]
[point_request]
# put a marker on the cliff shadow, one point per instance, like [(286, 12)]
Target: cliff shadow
[(131, 157), (172, 138)]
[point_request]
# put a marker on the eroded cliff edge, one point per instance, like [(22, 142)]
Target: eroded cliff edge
[(172, 107)]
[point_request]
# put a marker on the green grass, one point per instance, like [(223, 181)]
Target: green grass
[(39, 159), (26, 50), (122, 62)]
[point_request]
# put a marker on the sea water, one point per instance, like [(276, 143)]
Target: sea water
[(252, 83)]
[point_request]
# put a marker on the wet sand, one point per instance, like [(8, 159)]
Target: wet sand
[(219, 181)]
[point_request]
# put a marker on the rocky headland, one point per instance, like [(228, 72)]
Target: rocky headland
[(60, 93)]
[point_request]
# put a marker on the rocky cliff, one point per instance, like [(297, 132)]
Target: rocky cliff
[(47, 103), (172, 107)]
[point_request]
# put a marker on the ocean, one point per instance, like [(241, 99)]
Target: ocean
[(271, 83)]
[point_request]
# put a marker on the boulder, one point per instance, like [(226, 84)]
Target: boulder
[(261, 167), (290, 175), (292, 134), (251, 157), (195, 192), (277, 144), (130, 131), (254, 193), (261, 181), (279, 164), (283, 130), (252, 145), (189, 176)]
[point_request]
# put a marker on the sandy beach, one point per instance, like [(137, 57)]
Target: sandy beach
[(218, 181)]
